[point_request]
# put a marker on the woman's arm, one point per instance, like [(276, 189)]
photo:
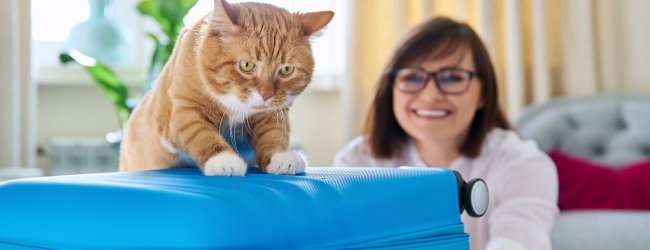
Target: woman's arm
[(526, 210)]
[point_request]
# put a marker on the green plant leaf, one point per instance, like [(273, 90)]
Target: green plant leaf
[(152, 8), (168, 13), (65, 58), (157, 61)]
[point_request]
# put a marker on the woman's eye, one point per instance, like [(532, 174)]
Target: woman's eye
[(415, 78), (451, 79), (246, 66), (286, 70)]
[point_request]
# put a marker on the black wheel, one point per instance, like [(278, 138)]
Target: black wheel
[(475, 197)]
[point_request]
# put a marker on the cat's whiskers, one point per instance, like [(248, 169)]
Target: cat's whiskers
[(241, 134), (247, 125), (240, 114), (232, 120), (288, 102), (276, 118), (221, 122), (286, 116), (281, 116)]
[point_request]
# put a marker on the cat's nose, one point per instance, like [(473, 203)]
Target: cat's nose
[(267, 95)]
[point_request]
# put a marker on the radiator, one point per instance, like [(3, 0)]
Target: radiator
[(75, 155)]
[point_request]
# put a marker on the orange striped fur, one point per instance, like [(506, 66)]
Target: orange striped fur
[(204, 89)]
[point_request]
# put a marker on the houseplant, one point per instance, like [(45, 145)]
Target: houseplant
[(168, 15)]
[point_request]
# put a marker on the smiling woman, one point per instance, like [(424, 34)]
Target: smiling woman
[(436, 105)]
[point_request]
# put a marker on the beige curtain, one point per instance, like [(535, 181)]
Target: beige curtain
[(541, 48), (17, 91)]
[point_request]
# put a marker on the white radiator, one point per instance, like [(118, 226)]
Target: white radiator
[(74, 155)]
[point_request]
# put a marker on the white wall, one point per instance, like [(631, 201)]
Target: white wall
[(74, 111), (317, 127)]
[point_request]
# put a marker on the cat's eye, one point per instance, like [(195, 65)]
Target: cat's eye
[(286, 70), (246, 66)]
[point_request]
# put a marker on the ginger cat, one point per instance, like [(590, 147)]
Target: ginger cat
[(241, 66)]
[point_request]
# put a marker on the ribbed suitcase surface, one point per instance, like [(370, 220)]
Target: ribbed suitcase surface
[(326, 208)]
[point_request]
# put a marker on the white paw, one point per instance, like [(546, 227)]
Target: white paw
[(225, 164), (289, 163)]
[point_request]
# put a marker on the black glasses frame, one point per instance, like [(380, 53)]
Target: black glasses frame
[(434, 75)]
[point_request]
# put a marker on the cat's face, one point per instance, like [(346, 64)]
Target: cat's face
[(257, 57)]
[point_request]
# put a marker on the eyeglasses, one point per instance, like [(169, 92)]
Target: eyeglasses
[(448, 80)]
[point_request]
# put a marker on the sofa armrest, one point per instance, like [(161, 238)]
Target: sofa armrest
[(607, 229)]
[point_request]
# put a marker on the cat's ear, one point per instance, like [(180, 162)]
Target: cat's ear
[(225, 14), (314, 21)]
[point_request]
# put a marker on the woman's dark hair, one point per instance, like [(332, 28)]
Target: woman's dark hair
[(444, 36)]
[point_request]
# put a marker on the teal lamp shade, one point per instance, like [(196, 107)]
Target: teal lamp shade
[(100, 37)]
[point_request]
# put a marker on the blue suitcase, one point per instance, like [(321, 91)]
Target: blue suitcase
[(325, 208)]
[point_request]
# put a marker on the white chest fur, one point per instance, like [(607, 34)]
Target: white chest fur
[(239, 111)]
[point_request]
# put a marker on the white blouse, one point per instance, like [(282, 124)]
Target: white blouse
[(522, 183)]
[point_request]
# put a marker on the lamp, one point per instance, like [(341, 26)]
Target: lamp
[(100, 37)]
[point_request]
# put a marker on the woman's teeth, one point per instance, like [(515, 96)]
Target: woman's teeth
[(431, 113)]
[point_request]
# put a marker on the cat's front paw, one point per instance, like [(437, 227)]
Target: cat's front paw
[(225, 164), (287, 163)]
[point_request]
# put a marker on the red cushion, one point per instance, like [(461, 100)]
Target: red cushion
[(585, 184), (635, 185), (589, 185)]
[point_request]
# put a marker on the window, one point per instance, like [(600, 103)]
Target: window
[(43, 17), (50, 29)]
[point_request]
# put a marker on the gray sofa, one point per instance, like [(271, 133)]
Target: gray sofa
[(613, 130)]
